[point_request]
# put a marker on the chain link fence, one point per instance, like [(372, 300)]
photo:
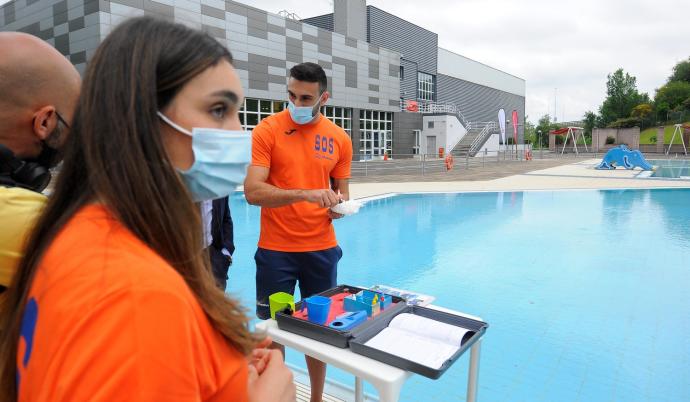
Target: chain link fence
[(428, 164)]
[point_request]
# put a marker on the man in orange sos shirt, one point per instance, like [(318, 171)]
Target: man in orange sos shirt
[(300, 169)]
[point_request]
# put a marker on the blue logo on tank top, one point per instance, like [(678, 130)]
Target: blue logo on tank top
[(324, 146), (27, 331)]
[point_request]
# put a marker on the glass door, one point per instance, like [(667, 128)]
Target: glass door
[(381, 144)]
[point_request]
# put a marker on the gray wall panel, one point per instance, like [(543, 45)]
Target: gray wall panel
[(9, 13), (212, 11), (278, 30), (293, 25), (374, 68), (408, 84), (404, 125), (356, 134), (350, 18), (321, 21), (481, 103), (59, 22), (214, 31), (265, 45), (415, 43)]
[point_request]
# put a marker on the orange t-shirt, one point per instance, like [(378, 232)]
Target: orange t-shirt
[(107, 319), (301, 157)]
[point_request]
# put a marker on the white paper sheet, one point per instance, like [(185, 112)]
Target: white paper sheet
[(429, 328), (419, 339), (349, 207)]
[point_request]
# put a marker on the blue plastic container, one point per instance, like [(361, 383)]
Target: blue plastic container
[(318, 308)]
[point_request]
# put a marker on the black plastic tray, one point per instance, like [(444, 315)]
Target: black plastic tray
[(357, 344), (329, 335)]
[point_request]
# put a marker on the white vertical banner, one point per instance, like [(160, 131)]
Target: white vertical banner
[(502, 125)]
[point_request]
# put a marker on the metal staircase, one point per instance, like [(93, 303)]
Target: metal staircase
[(476, 136), (477, 132)]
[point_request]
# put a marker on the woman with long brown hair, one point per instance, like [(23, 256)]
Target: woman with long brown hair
[(114, 299)]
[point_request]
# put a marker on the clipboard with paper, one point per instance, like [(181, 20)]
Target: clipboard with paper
[(419, 339)]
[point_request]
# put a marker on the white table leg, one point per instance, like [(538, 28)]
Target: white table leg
[(473, 377), (389, 392), (359, 390)]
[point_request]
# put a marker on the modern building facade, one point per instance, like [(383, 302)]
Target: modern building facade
[(377, 63), (462, 90)]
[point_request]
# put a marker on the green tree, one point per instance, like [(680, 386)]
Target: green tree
[(681, 71), (644, 113), (641, 111), (530, 132), (590, 120), (544, 126), (673, 94), (662, 110), (686, 104), (621, 97)]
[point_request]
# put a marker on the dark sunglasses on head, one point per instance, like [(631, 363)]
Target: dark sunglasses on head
[(61, 119)]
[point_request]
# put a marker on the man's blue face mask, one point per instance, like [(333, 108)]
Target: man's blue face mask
[(220, 164), (304, 114)]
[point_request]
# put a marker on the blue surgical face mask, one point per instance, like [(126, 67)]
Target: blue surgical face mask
[(303, 114), (220, 164)]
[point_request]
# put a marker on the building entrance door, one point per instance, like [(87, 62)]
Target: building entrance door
[(379, 143), (431, 145)]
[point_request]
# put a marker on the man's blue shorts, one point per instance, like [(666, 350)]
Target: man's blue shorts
[(278, 271)]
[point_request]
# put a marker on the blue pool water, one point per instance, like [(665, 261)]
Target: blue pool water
[(671, 168), (586, 292)]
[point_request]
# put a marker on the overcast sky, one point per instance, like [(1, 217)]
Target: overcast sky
[(569, 45)]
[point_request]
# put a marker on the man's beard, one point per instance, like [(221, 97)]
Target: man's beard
[(50, 155)]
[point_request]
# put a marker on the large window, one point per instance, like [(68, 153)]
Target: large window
[(376, 133), (340, 116), (415, 148), (255, 110), (425, 87)]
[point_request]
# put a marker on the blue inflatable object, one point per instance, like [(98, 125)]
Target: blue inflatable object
[(622, 156)]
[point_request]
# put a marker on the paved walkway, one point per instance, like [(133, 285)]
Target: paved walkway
[(534, 175), (490, 170)]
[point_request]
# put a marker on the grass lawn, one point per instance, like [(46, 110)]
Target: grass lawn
[(668, 132)]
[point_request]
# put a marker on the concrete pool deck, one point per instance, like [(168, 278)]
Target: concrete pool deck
[(574, 175)]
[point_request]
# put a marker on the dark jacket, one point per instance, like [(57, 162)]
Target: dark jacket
[(222, 233), (221, 225)]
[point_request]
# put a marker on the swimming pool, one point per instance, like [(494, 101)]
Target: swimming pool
[(671, 168), (585, 291)]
